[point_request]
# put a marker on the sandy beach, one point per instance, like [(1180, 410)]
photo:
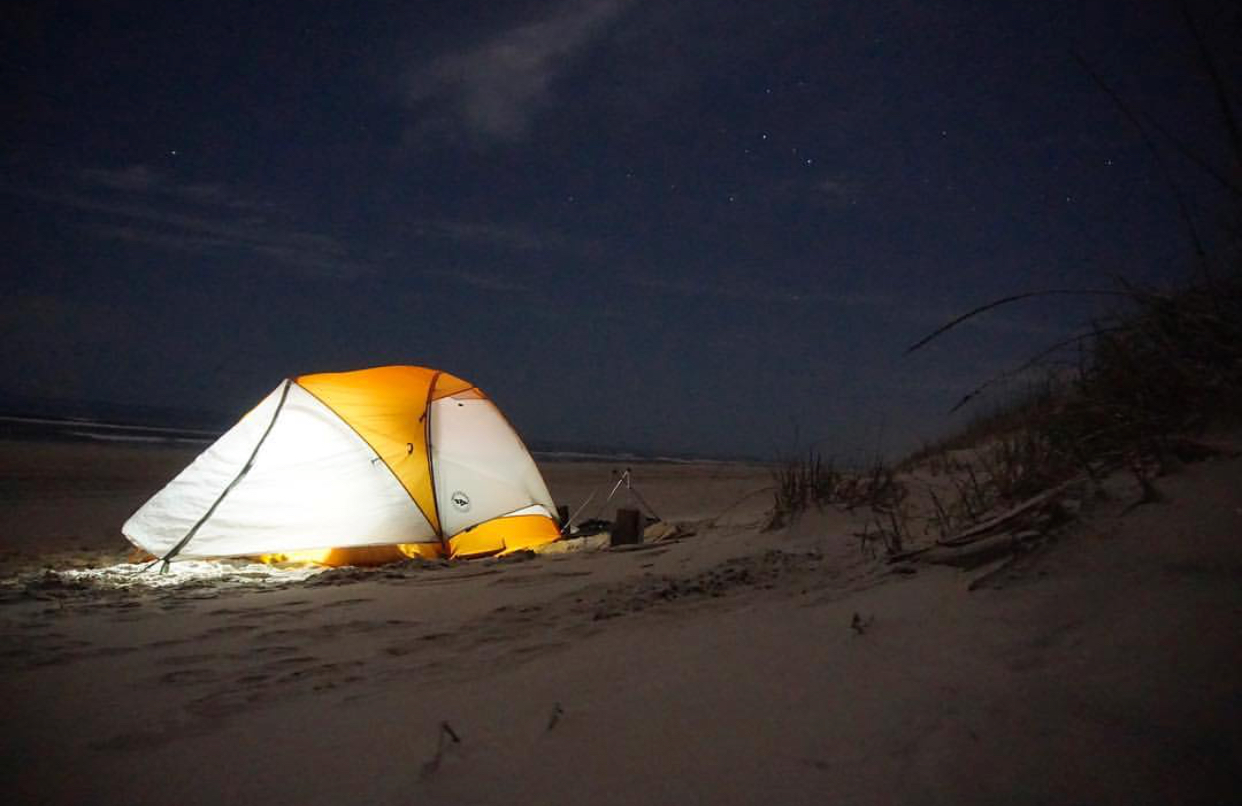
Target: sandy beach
[(729, 665)]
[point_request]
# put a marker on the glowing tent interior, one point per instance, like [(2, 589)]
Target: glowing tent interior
[(354, 468)]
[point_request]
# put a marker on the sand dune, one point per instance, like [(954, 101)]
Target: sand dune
[(733, 666)]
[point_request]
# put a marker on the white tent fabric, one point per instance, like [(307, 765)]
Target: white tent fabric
[(314, 483), (482, 469)]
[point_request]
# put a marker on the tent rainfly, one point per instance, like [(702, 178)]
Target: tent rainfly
[(352, 468)]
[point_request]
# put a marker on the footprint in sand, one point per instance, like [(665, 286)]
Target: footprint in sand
[(267, 651), (187, 660), (539, 648), (320, 671), (288, 663), (346, 603), (190, 676), (537, 577), (407, 647), (230, 629), (167, 642)]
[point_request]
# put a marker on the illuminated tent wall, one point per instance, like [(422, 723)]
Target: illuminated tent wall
[(356, 468)]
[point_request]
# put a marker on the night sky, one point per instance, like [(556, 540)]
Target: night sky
[(685, 227)]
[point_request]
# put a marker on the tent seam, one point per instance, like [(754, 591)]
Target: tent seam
[(431, 462), (383, 461), (181, 544)]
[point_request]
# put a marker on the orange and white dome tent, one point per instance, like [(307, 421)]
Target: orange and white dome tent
[(356, 468)]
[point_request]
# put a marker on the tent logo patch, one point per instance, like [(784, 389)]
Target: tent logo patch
[(461, 501)]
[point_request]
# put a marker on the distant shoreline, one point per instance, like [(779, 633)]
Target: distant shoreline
[(35, 428), (20, 427)]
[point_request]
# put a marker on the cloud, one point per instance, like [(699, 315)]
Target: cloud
[(146, 181), (493, 89), (479, 280), (139, 205), (508, 236), (131, 179)]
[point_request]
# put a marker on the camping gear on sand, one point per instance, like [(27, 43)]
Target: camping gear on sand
[(351, 468)]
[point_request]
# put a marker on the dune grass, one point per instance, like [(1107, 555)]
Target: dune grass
[(809, 480), (1147, 380)]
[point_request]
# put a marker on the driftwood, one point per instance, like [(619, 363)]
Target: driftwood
[(943, 550), (979, 552), (983, 527)]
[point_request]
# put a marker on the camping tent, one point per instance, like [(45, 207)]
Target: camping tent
[(354, 468)]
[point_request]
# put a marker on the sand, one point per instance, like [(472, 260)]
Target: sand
[(730, 666)]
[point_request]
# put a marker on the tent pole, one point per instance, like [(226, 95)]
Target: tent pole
[(167, 558)]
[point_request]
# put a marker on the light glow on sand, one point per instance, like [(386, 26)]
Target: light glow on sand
[(188, 572), (312, 556)]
